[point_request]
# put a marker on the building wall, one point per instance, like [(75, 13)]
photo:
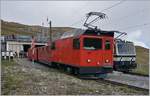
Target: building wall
[(14, 47), (18, 46)]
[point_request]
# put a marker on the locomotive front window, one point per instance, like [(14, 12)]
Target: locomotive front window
[(92, 43), (126, 48)]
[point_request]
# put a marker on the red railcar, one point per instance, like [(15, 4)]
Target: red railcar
[(43, 54), (32, 54), (80, 52), (29, 54)]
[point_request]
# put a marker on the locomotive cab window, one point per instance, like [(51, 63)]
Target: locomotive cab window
[(107, 45), (76, 43), (92, 43)]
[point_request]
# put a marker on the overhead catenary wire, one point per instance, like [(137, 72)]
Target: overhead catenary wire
[(80, 19), (125, 17), (120, 2), (134, 26), (105, 9), (78, 22)]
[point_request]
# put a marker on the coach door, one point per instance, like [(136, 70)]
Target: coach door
[(107, 51)]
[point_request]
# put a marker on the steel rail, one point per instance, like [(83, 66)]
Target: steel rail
[(122, 84), (137, 74)]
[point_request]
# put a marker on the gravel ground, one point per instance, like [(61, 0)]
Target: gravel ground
[(25, 77)]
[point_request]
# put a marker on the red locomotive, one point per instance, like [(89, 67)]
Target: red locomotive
[(79, 52)]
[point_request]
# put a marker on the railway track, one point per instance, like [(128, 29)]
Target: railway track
[(134, 81), (137, 74), (120, 84), (129, 80), (121, 79)]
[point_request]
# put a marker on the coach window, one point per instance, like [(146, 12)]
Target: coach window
[(76, 43), (53, 46), (107, 45)]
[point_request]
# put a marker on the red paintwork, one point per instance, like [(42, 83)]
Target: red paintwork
[(32, 54), (65, 54), (98, 57), (43, 54)]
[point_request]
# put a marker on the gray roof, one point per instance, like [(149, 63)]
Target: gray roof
[(23, 38)]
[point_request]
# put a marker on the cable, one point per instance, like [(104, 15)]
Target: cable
[(109, 8), (77, 22), (80, 19), (114, 5), (139, 25), (126, 16)]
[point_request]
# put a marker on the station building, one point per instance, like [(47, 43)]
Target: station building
[(19, 43)]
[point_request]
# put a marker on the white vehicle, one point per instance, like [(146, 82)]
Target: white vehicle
[(124, 56)]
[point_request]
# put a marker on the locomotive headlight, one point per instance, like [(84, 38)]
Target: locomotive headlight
[(88, 60), (107, 61), (98, 63)]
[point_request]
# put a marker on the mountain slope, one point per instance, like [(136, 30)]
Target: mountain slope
[(142, 60), (142, 55), (9, 28)]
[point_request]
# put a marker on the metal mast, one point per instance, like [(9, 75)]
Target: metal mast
[(50, 32)]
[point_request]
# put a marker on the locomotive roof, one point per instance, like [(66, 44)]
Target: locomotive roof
[(73, 33), (78, 32), (122, 41)]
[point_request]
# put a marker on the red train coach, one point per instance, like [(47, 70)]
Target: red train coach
[(32, 54), (80, 52)]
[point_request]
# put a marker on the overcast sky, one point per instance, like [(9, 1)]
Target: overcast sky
[(132, 17)]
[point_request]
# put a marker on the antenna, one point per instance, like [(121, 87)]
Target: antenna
[(50, 32), (43, 30)]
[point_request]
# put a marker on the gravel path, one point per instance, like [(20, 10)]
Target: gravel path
[(36, 79)]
